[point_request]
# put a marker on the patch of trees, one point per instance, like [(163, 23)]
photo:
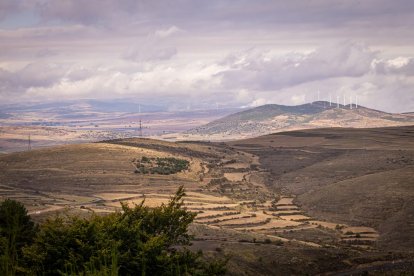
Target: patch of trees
[(163, 166), (135, 241), (217, 181)]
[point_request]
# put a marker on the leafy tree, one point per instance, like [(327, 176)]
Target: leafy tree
[(137, 240), (16, 231)]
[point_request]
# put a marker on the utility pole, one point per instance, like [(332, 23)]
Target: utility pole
[(140, 121), (29, 144)]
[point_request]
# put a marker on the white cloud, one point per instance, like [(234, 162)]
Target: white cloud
[(399, 65), (163, 33)]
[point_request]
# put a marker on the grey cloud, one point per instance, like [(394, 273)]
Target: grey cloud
[(143, 54), (259, 71), (7, 79), (78, 11), (408, 69), (14, 84), (43, 33), (107, 48), (152, 48), (8, 7), (46, 53), (78, 74), (217, 13), (40, 74)]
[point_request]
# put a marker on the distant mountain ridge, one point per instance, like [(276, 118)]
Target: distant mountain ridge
[(83, 105), (271, 118)]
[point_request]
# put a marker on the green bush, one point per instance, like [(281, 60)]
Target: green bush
[(163, 166), (16, 231), (136, 241)]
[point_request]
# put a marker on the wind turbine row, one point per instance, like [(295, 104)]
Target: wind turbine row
[(352, 104)]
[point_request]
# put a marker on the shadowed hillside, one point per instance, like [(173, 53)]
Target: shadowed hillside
[(356, 176)]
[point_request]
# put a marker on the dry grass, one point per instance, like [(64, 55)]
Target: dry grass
[(273, 224), (359, 229), (237, 166), (289, 207), (285, 201), (235, 176), (296, 217)]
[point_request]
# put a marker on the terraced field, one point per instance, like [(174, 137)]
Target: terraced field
[(332, 179)]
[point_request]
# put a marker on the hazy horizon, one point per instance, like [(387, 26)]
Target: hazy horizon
[(204, 53)]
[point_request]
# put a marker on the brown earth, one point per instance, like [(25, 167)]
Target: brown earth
[(297, 205), (353, 176)]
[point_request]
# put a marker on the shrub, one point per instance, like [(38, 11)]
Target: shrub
[(163, 166), (137, 241), (16, 231), (279, 242)]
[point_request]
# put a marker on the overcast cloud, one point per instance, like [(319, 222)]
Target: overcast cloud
[(198, 53)]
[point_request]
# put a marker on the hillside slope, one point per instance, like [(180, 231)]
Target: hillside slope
[(355, 176), (271, 202), (267, 119)]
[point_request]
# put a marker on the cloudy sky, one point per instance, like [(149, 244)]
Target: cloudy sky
[(201, 53)]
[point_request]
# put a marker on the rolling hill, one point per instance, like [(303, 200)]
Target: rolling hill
[(355, 176), (294, 203), (271, 118)]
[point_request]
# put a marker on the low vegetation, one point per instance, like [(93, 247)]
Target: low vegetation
[(164, 166), (137, 240)]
